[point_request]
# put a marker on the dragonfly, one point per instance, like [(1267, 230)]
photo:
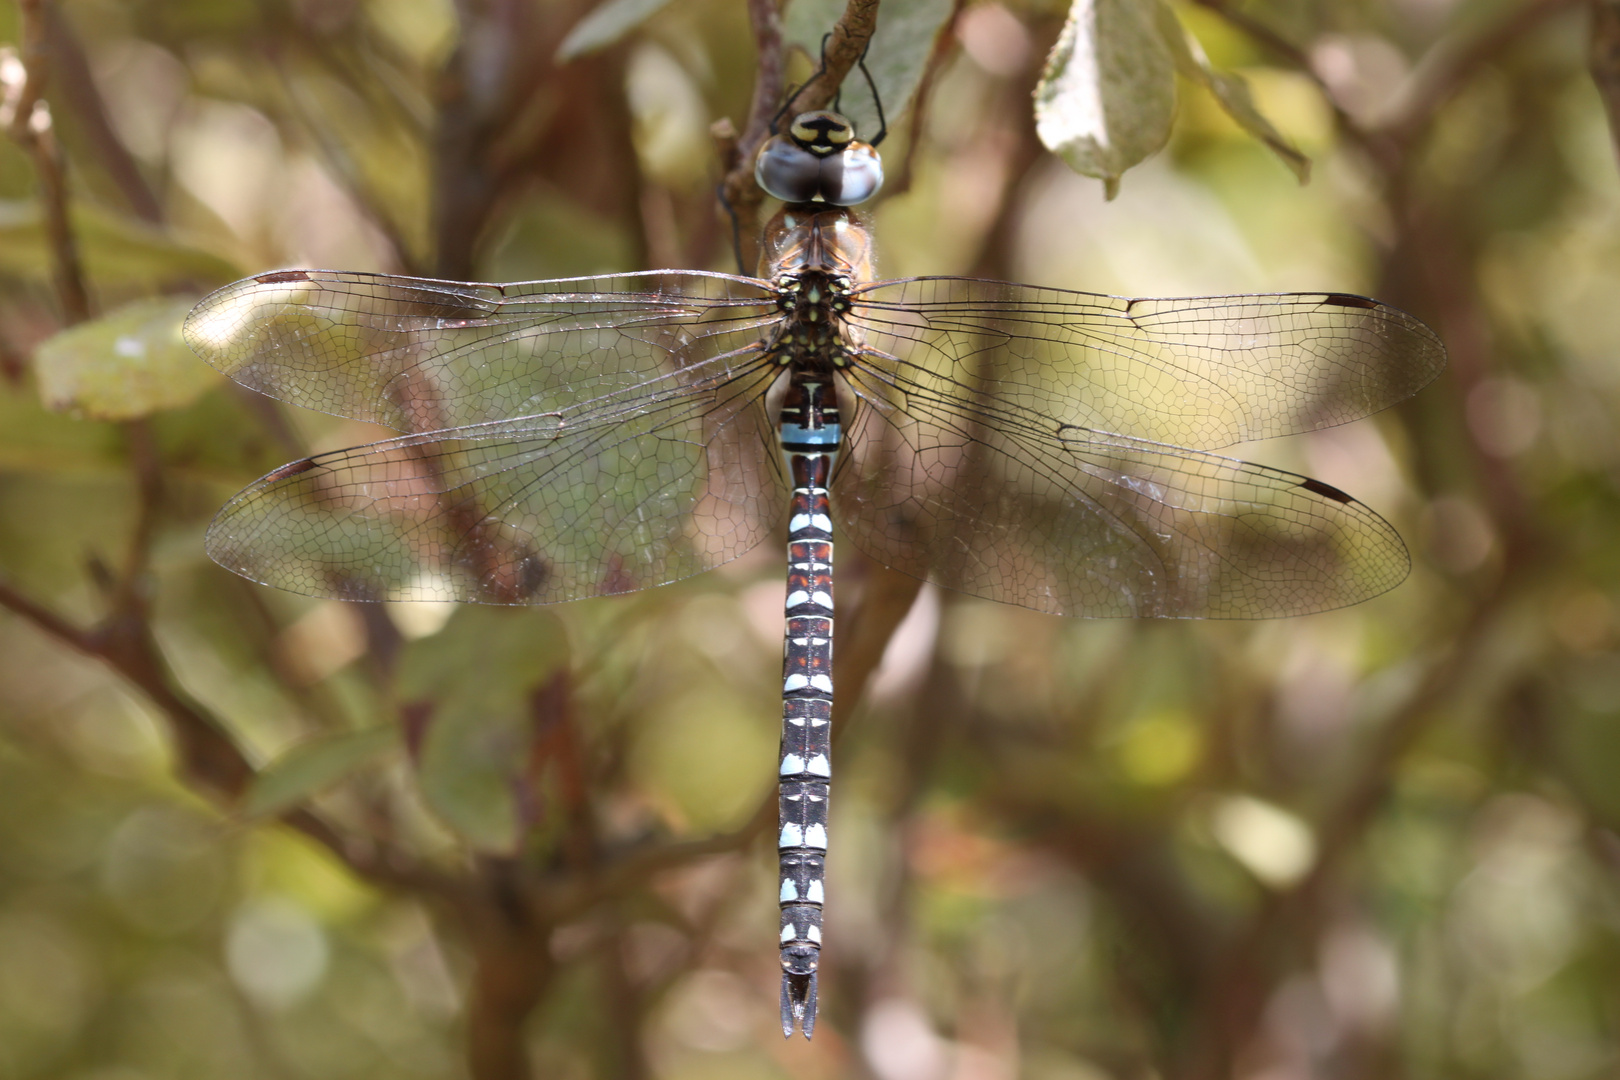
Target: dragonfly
[(594, 436)]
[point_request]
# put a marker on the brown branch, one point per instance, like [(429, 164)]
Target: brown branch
[(847, 42), (148, 466), (766, 19), (79, 94), (341, 166), (886, 598), (1441, 74), (512, 971), (945, 46), (850, 35), (27, 118), (1603, 60), (739, 193), (1450, 64), (569, 899), (209, 760)]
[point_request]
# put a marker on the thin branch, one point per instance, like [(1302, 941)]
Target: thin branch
[(26, 116), (148, 466), (845, 45), (80, 95), (768, 78), (209, 760), (738, 192), (1603, 60), (343, 169), (571, 898), (945, 46), (1449, 66), (850, 35)]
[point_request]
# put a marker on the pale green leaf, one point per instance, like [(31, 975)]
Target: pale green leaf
[(1230, 91), (128, 363), (477, 676), (118, 252), (313, 766), (907, 31), (606, 24), (1108, 95)]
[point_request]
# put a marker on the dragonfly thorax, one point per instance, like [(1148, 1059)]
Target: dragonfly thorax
[(819, 160), (832, 241)]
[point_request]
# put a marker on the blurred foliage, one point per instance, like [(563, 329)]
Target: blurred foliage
[(1379, 842)]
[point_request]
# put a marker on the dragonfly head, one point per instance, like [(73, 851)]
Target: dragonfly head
[(819, 160)]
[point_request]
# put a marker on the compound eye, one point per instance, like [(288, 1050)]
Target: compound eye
[(787, 171), (857, 178)]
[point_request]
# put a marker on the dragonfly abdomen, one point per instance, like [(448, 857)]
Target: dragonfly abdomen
[(809, 432)]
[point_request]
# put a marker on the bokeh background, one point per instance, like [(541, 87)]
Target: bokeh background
[(246, 834)]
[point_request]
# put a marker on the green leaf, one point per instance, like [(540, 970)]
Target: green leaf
[(35, 439), (118, 252), (478, 674), (607, 23), (313, 766), (127, 363), (907, 31), (1108, 94), (1230, 91)]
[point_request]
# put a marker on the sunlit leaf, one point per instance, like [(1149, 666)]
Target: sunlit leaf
[(313, 766), (1108, 94), (607, 23), (1230, 91), (476, 678), (897, 58), (127, 363)]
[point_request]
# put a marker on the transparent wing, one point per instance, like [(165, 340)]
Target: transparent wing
[(1021, 506), (1201, 372), (616, 494), (419, 355)]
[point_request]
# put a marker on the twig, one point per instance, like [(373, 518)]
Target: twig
[(1448, 67), (148, 466), (209, 760), (845, 45), (80, 96), (569, 899), (1603, 60), (945, 46), (26, 116), (343, 169), (738, 191)]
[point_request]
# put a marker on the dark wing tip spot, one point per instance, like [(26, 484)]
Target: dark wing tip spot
[(1340, 299), (281, 277), (1327, 491), (292, 468)]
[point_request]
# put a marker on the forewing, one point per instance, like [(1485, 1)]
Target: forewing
[(1024, 509), (600, 498), (1200, 372), (419, 355)]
